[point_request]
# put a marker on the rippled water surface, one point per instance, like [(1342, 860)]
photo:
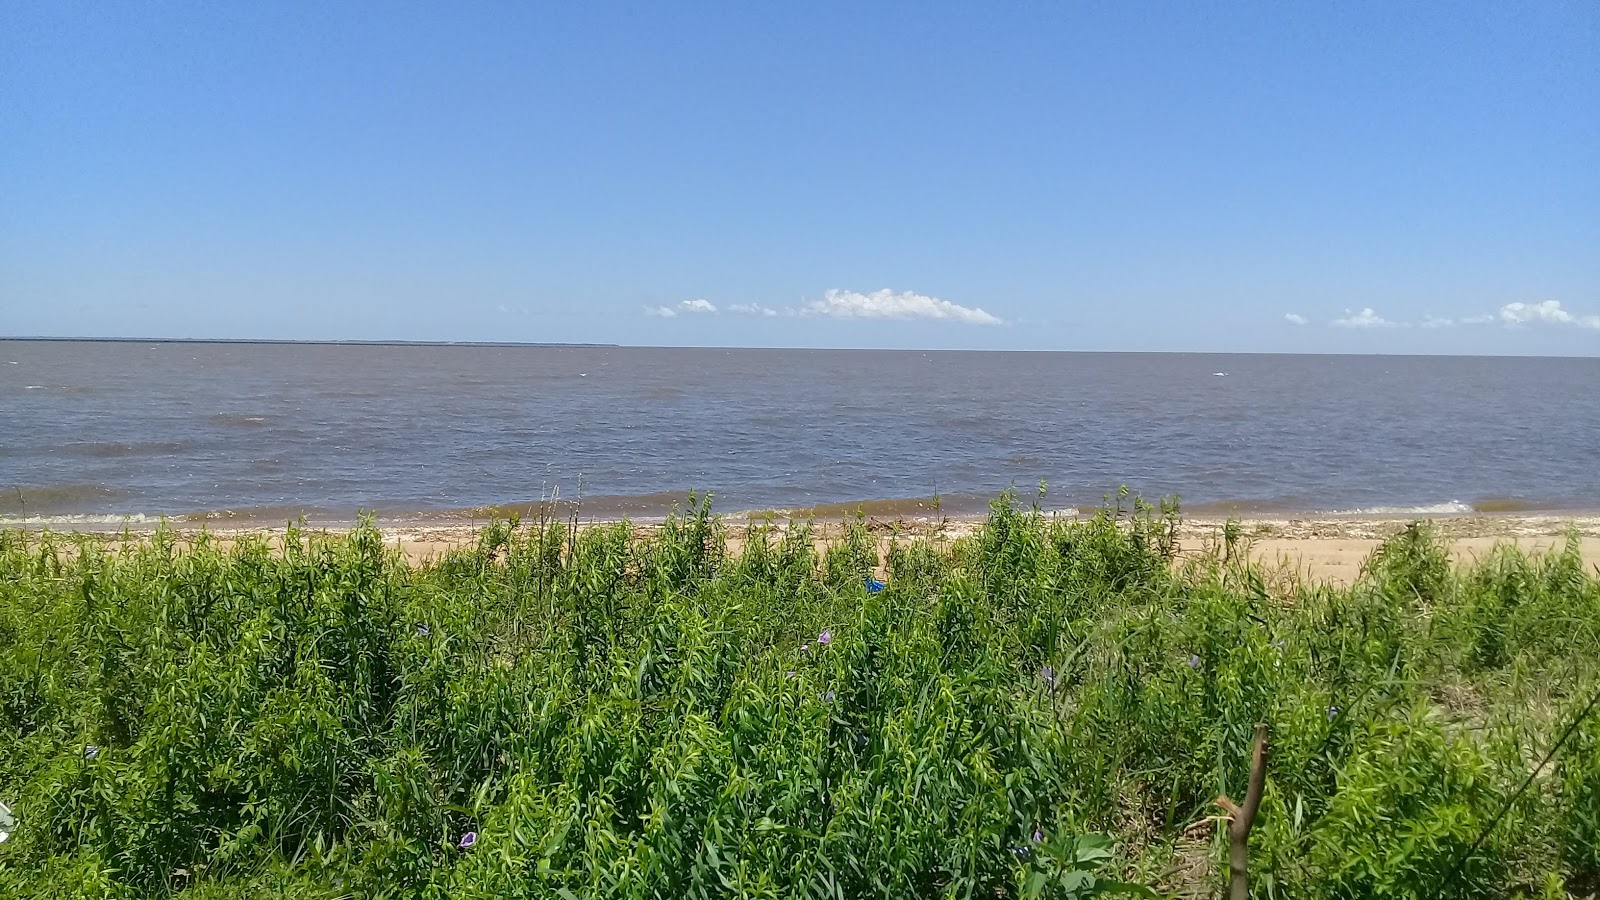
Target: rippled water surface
[(114, 428)]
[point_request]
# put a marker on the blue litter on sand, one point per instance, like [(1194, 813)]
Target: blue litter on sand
[(873, 585)]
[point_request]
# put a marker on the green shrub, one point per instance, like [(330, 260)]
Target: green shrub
[(1046, 708)]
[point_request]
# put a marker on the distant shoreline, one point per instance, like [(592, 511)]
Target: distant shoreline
[(318, 342), (42, 339)]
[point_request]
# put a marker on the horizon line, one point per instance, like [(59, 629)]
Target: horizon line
[(398, 342)]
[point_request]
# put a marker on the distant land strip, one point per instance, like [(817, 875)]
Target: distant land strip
[(168, 340)]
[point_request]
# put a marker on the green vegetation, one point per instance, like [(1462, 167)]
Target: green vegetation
[(1044, 709)]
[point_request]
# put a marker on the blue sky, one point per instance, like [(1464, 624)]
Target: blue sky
[(1010, 175)]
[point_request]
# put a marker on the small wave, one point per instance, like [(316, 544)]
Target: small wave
[(237, 421), (1448, 508), (1246, 508), (68, 389), (1505, 505), (80, 519), (259, 514)]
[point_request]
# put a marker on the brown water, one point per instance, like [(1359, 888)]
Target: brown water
[(110, 429)]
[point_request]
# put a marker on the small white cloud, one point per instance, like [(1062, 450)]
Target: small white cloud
[(1548, 312), (753, 309), (1437, 322), (887, 304), (1477, 320), (685, 308), (1366, 318), (1295, 319)]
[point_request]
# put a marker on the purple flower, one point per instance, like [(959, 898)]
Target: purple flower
[(91, 751), (1048, 675), (828, 697), (789, 674), (1333, 713), (468, 839), (804, 647), (1194, 661), (825, 638), (1038, 836)]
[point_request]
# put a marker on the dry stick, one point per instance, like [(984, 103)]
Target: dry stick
[(1242, 818)]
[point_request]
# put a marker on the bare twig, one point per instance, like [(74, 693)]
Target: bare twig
[(1242, 818)]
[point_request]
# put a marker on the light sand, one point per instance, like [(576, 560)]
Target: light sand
[(1333, 549), (1338, 560)]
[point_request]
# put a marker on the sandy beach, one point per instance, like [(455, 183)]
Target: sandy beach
[(1333, 549)]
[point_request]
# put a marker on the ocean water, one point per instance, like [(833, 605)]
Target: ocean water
[(99, 431)]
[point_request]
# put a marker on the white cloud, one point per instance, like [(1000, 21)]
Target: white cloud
[(836, 304), (1295, 319), (686, 308), (1548, 312), (887, 304), (1511, 315), (754, 309), (1366, 318)]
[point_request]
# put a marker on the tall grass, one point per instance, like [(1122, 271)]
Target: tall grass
[(1044, 709)]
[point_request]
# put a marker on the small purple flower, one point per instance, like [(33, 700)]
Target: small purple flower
[(91, 751), (1333, 713), (789, 674), (804, 647), (1047, 674), (1038, 836), (825, 638), (1194, 661), (828, 697), (468, 839)]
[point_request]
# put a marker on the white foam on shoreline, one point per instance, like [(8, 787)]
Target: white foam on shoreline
[(1448, 508), (80, 519)]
